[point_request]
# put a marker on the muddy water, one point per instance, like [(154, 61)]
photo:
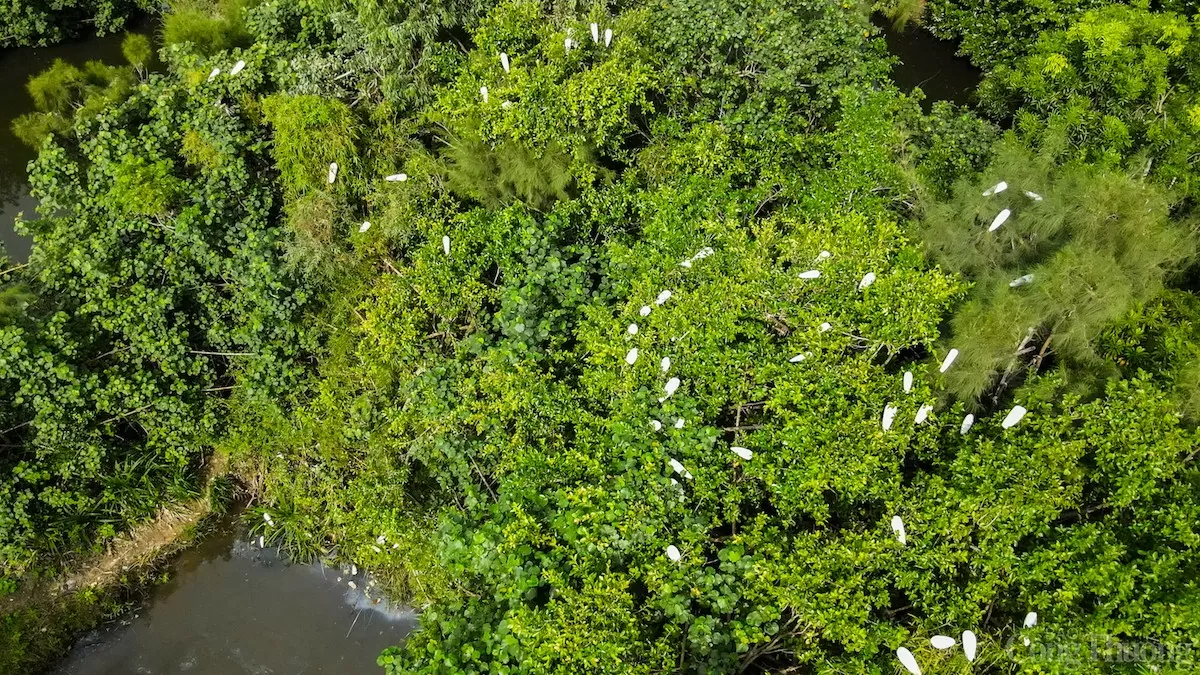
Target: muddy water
[(16, 67), (931, 64), (231, 608)]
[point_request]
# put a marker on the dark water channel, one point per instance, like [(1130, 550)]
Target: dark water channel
[(232, 608), (931, 64)]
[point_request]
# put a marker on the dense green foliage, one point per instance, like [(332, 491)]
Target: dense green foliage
[(45, 22), (597, 350)]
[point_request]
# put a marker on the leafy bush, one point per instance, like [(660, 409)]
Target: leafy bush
[(45, 22)]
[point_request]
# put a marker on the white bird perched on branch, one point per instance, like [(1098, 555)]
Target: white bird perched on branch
[(396, 178), (967, 423), (1030, 620), (1020, 281), (679, 423), (333, 171), (645, 310), (679, 468), (504, 61), (446, 244), (608, 37), (744, 453), (823, 255), (671, 386), (662, 297), (672, 552), (596, 33), (825, 326), (995, 189), (632, 329), (483, 93), (968, 643), (1010, 420), (898, 528), (908, 661), (364, 227), (237, 67), (949, 360), (800, 357), (700, 255), (631, 356), (889, 415), (665, 364), (215, 72), (656, 425), (867, 280), (908, 381), (811, 274), (999, 220), (942, 641), (1033, 195), (923, 414)]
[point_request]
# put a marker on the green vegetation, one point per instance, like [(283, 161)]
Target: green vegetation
[(45, 22), (597, 350)]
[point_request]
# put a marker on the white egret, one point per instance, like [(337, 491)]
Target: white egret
[(267, 517), (596, 33), (949, 360), (867, 280), (353, 586), (889, 415), (679, 423), (364, 227), (607, 37), (381, 539), (825, 326), (215, 72), (672, 552), (1033, 195), (679, 469), (396, 178), (700, 255), (665, 364), (1030, 620), (376, 549), (823, 255), (800, 357), (999, 220), (744, 453), (968, 643), (662, 297), (631, 356), (237, 67), (811, 274), (1020, 281), (672, 385), (656, 425), (353, 570), (504, 60), (446, 244), (333, 170), (645, 310), (506, 105), (908, 381), (967, 423), (942, 641), (908, 661), (923, 414), (567, 45), (995, 189), (898, 528), (483, 93), (632, 329), (1010, 420)]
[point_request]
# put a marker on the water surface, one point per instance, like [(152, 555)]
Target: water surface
[(231, 608), (931, 64)]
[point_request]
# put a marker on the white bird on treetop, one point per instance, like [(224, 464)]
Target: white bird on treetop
[(656, 425), (823, 255), (215, 72), (967, 423), (364, 227), (923, 414), (700, 255), (1033, 195), (800, 357), (999, 220), (665, 364), (1010, 420), (396, 178), (662, 297), (632, 329), (949, 360), (679, 468), (1020, 281), (898, 528), (607, 37), (942, 641), (679, 423), (237, 67), (908, 661), (484, 93), (825, 326), (333, 170), (446, 244), (811, 274), (1031, 619), (631, 356), (672, 552), (908, 381), (744, 453), (995, 189), (504, 60), (672, 385), (867, 280), (968, 643), (595, 33), (645, 310), (889, 414)]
